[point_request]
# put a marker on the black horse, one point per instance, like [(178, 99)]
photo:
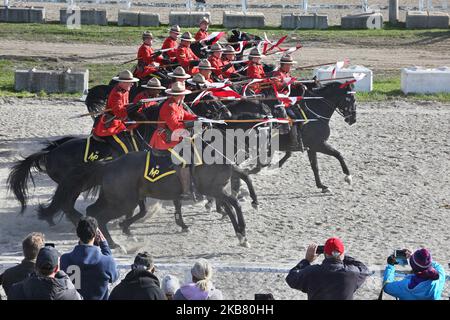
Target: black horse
[(123, 186), (318, 106)]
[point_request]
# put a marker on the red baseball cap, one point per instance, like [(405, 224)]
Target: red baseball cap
[(333, 244)]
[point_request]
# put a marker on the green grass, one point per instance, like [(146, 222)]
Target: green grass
[(111, 34)]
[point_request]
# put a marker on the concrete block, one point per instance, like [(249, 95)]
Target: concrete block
[(243, 20), (301, 21), (3, 14), (364, 85), (18, 14), (422, 80), (51, 81), (87, 16), (416, 20), (438, 20), (186, 19), (147, 19), (362, 21), (128, 18), (37, 15)]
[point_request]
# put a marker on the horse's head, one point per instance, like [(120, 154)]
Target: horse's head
[(347, 103), (342, 97), (212, 109)]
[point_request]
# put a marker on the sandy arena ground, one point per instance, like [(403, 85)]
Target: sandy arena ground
[(397, 152)]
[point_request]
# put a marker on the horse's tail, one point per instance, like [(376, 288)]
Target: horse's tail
[(21, 172), (82, 178)]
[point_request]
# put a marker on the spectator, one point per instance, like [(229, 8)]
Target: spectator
[(140, 283), (337, 278), (30, 246), (48, 283), (201, 287), (94, 259), (170, 285), (426, 283)]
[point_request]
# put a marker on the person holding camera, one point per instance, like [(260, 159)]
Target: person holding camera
[(92, 258), (337, 278), (426, 283), (47, 283), (30, 246)]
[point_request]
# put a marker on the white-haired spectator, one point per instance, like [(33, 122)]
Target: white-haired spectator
[(201, 287), (170, 284)]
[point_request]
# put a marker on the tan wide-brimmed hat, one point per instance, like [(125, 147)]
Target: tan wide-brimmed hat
[(179, 73), (216, 47), (229, 50), (178, 89), (205, 65), (204, 20), (147, 34), (126, 76), (198, 78), (187, 36), (175, 29), (254, 53), (287, 59), (154, 83)]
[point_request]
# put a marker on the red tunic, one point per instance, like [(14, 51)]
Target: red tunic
[(200, 35), (279, 79), (231, 70), (173, 115), (170, 43), (140, 96), (184, 57), (146, 59), (255, 71), (216, 63), (117, 102)]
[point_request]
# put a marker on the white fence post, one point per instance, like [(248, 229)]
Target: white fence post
[(305, 6), (6, 2), (420, 5)]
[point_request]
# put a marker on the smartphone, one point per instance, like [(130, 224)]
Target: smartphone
[(49, 244), (320, 249), (400, 257)]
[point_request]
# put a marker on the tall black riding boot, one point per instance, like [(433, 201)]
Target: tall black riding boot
[(294, 144)]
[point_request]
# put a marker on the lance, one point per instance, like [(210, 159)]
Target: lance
[(157, 52), (346, 61)]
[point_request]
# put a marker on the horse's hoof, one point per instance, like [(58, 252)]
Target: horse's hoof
[(326, 190), (186, 230), (127, 232), (255, 205), (245, 244), (223, 217), (348, 179), (208, 207)]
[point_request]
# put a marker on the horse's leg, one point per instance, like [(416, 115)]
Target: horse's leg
[(240, 220), (229, 210), (71, 213), (130, 219), (312, 155), (179, 216), (238, 175), (327, 149), (209, 204), (286, 156)]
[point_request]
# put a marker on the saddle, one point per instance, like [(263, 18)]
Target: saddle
[(158, 164), (96, 149)]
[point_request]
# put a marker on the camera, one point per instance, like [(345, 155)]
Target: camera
[(320, 249), (49, 244), (400, 257), (264, 296)]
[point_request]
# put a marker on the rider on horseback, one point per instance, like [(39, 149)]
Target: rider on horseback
[(110, 126), (255, 68), (174, 118), (282, 77), (185, 57), (147, 58), (205, 69), (171, 42), (228, 56), (216, 60), (203, 32)]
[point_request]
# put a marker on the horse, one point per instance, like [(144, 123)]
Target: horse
[(122, 186), (316, 131)]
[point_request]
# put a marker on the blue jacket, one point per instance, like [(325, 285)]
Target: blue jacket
[(427, 290), (97, 268)]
